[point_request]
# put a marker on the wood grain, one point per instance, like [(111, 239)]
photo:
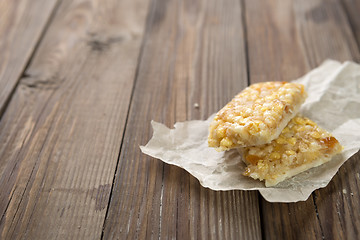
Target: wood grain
[(61, 133), (289, 39), (275, 54), (21, 26), (331, 37), (80, 85), (339, 202), (194, 53), (325, 31), (352, 11)]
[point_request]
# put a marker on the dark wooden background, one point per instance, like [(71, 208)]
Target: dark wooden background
[(81, 80)]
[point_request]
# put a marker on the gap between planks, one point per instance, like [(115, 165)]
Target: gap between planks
[(71, 12), (149, 14), (4, 104)]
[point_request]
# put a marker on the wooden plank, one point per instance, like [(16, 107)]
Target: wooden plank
[(288, 40), (194, 53), (333, 38), (21, 25), (352, 8), (61, 133), (326, 32), (275, 54), (338, 204)]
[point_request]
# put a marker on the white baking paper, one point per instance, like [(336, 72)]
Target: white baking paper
[(333, 102)]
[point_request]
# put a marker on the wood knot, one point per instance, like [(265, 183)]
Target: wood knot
[(100, 43), (320, 13), (41, 82)]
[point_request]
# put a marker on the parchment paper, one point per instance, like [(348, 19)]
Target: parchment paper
[(333, 102)]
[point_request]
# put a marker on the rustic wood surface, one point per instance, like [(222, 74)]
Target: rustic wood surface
[(62, 130), (81, 80), (352, 11), (297, 39), (189, 68), (21, 25)]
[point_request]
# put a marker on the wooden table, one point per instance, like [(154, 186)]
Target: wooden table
[(81, 80)]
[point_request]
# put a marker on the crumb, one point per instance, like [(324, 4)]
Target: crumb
[(352, 194), (196, 105), (344, 191)]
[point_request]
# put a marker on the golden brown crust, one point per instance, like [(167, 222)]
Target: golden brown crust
[(256, 115), (301, 145)]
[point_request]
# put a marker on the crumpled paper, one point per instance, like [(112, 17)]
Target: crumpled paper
[(333, 102)]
